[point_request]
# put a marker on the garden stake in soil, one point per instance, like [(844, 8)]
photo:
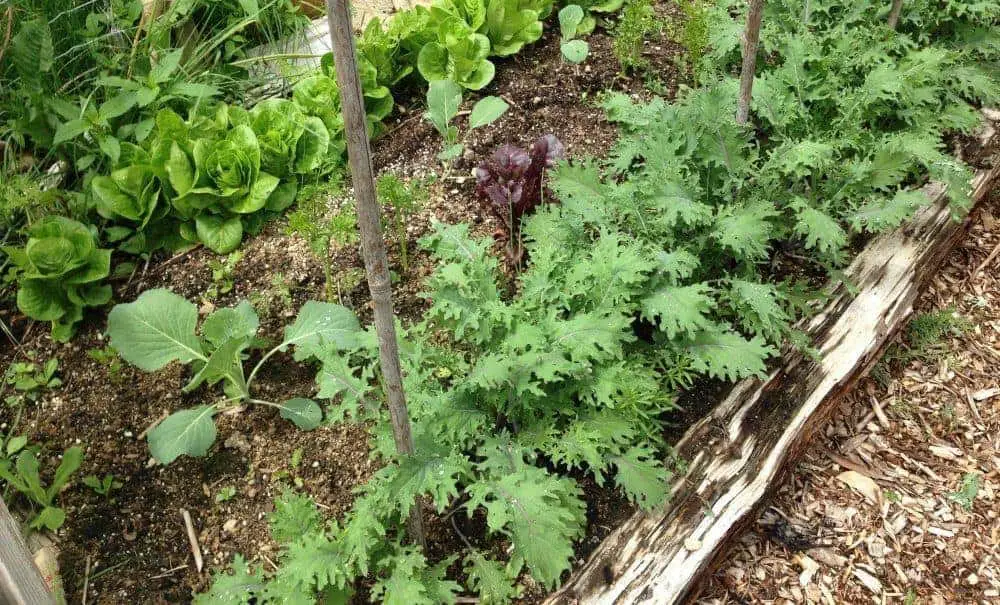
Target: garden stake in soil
[(372, 246), (750, 38)]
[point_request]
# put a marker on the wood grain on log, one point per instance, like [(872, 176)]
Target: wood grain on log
[(20, 582), (740, 451)]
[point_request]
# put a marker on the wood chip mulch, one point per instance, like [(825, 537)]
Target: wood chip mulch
[(873, 513)]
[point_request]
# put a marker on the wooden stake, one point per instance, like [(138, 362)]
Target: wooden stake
[(897, 8), (372, 246), (20, 581), (751, 36)]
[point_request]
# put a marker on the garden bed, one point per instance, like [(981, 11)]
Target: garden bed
[(136, 545), (132, 544)]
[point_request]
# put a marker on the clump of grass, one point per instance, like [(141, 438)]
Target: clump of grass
[(925, 337)]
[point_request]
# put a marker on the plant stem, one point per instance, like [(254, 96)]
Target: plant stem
[(372, 245), (328, 277), (897, 9)]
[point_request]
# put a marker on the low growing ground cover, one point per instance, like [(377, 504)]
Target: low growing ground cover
[(546, 349)]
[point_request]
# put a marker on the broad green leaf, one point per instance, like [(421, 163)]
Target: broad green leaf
[(71, 460), (223, 324), (51, 518), (69, 130), (443, 99), (575, 51), (486, 111), (570, 18), (304, 413), (185, 433), (220, 235), (322, 327), (223, 363), (156, 329)]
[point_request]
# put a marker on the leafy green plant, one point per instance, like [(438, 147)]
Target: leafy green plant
[(29, 380), (160, 327), (59, 273), (444, 97), (405, 199), (459, 54), (510, 24), (108, 357), (225, 494), (223, 275), (310, 220), (967, 491), (24, 476), (636, 23), (571, 18), (102, 486)]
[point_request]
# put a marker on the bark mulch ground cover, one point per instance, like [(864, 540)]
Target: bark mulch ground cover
[(882, 509)]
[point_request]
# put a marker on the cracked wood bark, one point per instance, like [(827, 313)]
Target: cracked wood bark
[(372, 246), (20, 581), (740, 451)]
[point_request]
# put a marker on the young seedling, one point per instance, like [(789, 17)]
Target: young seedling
[(223, 275), (24, 476), (443, 100), (571, 20), (225, 494), (405, 199), (102, 487), (108, 357), (29, 380), (160, 327), (310, 221)]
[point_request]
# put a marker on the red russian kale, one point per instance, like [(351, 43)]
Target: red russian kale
[(510, 183)]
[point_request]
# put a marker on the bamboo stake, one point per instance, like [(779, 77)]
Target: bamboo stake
[(372, 246), (751, 36), (897, 8)]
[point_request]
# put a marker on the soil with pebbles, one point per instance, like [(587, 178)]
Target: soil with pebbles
[(134, 542)]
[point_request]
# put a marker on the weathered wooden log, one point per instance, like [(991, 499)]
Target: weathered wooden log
[(738, 453), (20, 581)]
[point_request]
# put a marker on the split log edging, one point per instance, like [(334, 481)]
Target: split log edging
[(744, 447)]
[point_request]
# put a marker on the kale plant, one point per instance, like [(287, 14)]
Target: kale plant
[(510, 185)]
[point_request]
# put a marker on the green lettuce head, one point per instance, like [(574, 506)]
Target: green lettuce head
[(59, 273), (319, 96), (459, 55), (290, 142)]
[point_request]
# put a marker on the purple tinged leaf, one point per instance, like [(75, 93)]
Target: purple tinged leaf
[(511, 179)]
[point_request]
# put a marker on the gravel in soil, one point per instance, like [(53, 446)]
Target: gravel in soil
[(135, 540), (880, 509)]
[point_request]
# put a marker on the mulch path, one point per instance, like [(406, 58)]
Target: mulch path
[(872, 513)]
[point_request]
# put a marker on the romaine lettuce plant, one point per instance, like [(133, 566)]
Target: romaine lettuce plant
[(458, 54), (510, 184), (59, 271), (510, 24), (290, 142), (160, 327)]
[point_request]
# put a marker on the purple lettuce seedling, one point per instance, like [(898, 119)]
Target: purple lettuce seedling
[(510, 183)]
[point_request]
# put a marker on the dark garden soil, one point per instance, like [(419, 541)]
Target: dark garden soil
[(134, 544)]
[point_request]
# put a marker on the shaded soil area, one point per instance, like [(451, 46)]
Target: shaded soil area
[(132, 547), (897, 500)]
